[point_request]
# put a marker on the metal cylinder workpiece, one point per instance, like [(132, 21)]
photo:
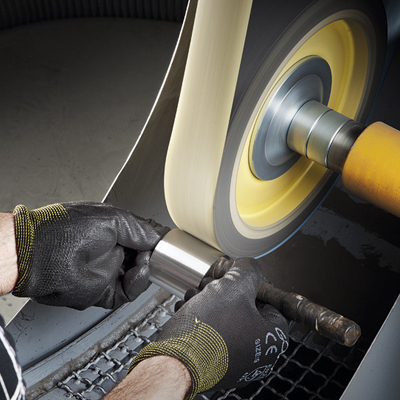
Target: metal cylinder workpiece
[(180, 261)]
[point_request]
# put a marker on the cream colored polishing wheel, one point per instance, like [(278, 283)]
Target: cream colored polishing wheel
[(240, 53)]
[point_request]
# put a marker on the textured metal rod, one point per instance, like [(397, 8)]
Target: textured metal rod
[(299, 309)]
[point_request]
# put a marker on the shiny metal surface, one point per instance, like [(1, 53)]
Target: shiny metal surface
[(309, 80), (341, 145), (299, 132), (317, 125), (180, 261), (317, 131)]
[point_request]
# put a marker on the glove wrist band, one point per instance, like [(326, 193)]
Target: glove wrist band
[(27, 225), (199, 347)]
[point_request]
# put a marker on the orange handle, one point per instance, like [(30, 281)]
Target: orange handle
[(372, 167)]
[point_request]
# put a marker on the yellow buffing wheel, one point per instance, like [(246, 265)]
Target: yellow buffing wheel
[(240, 51)]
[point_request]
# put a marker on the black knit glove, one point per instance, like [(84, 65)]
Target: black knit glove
[(220, 336), (83, 254)]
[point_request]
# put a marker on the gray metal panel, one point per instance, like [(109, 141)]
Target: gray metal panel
[(41, 330), (378, 374)]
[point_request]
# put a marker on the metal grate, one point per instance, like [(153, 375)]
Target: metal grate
[(20, 12), (312, 368), (100, 375)]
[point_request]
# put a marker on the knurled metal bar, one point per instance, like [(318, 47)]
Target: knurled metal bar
[(312, 368)]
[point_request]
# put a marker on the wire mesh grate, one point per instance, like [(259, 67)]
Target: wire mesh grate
[(99, 376), (312, 368)]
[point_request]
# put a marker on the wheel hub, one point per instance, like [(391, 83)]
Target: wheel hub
[(309, 79)]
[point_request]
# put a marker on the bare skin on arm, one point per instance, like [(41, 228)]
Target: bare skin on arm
[(160, 377), (8, 257)]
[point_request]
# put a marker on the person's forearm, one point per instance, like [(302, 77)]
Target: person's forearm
[(8, 254), (160, 377)]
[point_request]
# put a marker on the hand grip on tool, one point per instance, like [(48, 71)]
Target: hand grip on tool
[(181, 262), (299, 309)]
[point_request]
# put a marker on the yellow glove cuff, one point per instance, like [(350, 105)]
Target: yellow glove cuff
[(27, 223), (199, 347)]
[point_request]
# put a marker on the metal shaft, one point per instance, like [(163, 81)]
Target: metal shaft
[(299, 309), (323, 135)]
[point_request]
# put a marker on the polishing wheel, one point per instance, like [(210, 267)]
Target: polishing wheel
[(245, 166), (231, 179)]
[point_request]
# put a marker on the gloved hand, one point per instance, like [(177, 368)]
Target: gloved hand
[(83, 254), (220, 336)]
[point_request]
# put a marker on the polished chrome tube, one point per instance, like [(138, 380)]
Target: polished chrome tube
[(180, 261)]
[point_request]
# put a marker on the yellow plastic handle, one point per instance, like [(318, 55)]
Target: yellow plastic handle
[(372, 168)]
